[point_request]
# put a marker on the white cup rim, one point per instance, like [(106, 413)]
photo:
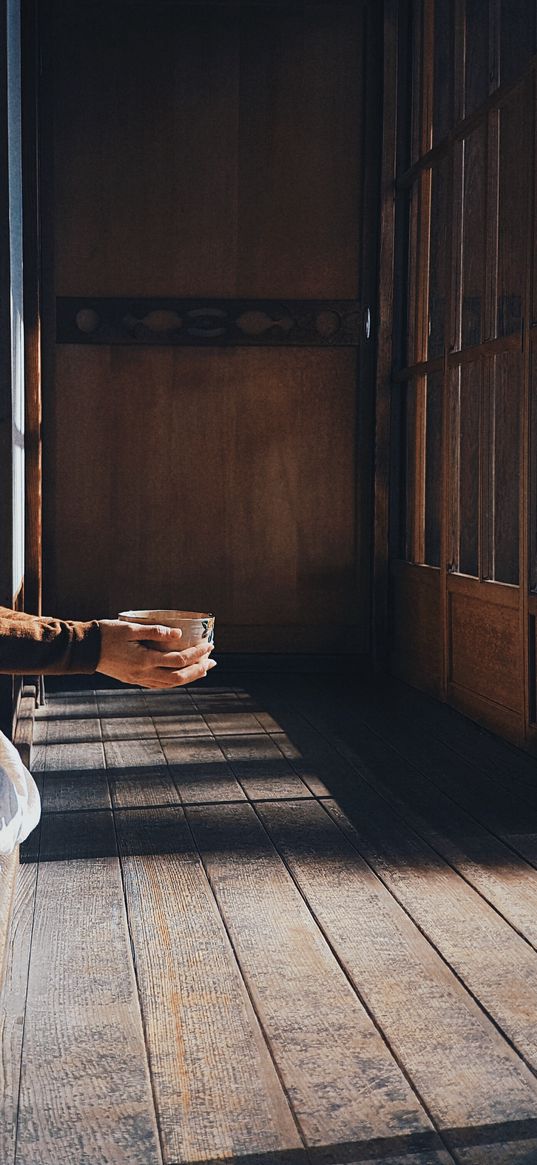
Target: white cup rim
[(165, 618)]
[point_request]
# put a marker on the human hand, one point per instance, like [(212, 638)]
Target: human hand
[(127, 654)]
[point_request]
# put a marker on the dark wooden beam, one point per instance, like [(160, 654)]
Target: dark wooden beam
[(385, 336), (32, 306)]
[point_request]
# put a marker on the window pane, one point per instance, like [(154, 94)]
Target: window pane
[(15, 246), (433, 469), (438, 260), (465, 445), (411, 459), (412, 347), (517, 37), (513, 213), (473, 236), (476, 71), (504, 467), (401, 306), (417, 79), (404, 97), (443, 68)]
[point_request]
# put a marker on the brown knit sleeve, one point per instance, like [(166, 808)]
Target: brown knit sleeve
[(30, 645)]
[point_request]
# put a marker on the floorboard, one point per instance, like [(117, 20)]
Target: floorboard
[(216, 1088), (85, 1090), (481, 857), (344, 1083), (459, 1064)]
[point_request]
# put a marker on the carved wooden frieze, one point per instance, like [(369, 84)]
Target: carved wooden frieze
[(210, 322)]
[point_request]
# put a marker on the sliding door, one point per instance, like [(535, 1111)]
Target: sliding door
[(463, 568)]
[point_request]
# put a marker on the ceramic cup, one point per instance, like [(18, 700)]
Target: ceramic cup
[(195, 625)]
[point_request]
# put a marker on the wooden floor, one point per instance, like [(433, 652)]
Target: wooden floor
[(273, 920)]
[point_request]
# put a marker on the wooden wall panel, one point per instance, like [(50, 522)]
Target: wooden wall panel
[(208, 150), (300, 169), (417, 651), (207, 479), (145, 155), (213, 151), (485, 650)]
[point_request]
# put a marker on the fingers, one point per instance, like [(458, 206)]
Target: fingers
[(181, 659), (176, 668), (176, 679), (157, 633)]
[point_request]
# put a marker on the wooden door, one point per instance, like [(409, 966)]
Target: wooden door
[(462, 568), (206, 414)]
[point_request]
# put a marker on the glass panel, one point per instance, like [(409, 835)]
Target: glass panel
[(417, 79), (517, 37), (467, 412), (476, 70), (513, 214), (438, 260), (400, 320), (433, 469), (473, 236), (412, 349), (412, 469), (410, 465), (443, 68), (15, 244), (504, 465)]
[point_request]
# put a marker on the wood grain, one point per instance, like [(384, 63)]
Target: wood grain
[(266, 1002), (485, 655), (83, 1025), (467, 738), (201, 771), (417, 659), (75, 777), (233, 164), (138, 774), (401, 978), (498, 797), (482, 858), (216, 1089), (270, 139), (127, 728), (300, 170), (326, 1047), (262, 770), (309, 770), (494, 962), (292, 408)]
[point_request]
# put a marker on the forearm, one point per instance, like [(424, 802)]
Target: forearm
[(30, 645)]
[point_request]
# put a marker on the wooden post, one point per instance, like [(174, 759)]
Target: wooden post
[(32, 309), (385, 331)]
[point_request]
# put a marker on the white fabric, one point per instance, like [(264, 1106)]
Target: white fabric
[(20, 803)]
